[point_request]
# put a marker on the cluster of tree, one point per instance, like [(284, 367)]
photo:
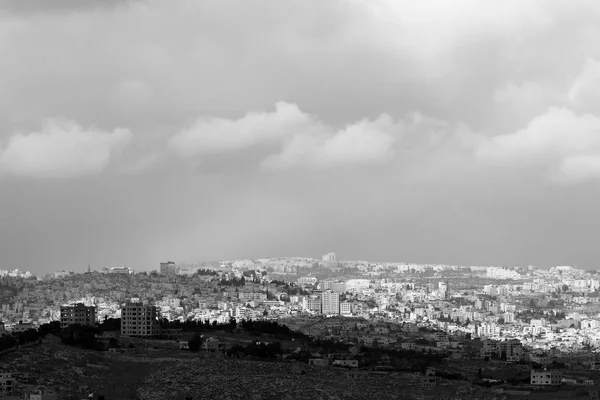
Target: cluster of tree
[(268, 327), (400, 360), (195, 343), (257, 350), (279, 283), (296, 291), (110, 324), (233, 282), (16, 339), (197, 326), (81, 335), (457, 376), (206, 272)]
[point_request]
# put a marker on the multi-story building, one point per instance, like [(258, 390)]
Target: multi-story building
[(252, 296), (338, 287), (488, 330), (6, 384), (121, 270), (345, 308), (168, 268), (330, 257), (77, 314), (509, 350), (314, 304), (307, 280), (330, 303), (443, 289), (357, 285), (139, 319), (546, 378)]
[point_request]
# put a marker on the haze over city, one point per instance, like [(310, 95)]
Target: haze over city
[(455, 132)]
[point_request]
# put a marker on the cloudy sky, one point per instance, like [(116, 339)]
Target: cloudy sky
[(448, 131)]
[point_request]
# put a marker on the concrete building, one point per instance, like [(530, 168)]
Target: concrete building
[(77, 314), (443, 289), (314, 304), (22, 327), (307, 280), (7, 383), (546, 378), (330, 303), (168, 268), (345, 308), (121, 270), (138, 319), (330, 257), (213, 345), (338, 287)]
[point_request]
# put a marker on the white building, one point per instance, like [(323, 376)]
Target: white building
[(546, 378), (357, 285), (330, 303), (330, 257), (307, 280), (121, 270), (345, 308)]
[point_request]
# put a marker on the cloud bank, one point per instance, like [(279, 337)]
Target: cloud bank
[(62, 149)]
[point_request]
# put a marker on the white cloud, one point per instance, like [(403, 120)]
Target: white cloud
[(303, 138), (62, 149), (585, 91), (578, 169), (142, 164), (220, 135), (560, 141), (360, 143)]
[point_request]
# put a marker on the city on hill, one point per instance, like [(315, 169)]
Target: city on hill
[(435, 331)]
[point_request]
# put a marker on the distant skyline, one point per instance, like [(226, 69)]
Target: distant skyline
[(440, 131)]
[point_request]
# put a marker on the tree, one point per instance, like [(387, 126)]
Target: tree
[(195, 343)]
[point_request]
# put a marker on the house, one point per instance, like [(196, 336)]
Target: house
[(213, 345), (319, 362), (356, 375), (6, 384), (429, 379), (546, 378), (346, 363)]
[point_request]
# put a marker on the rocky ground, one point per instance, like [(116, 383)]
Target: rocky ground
[(167, 373)]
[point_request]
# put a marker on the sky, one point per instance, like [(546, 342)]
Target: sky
[(435, 131)]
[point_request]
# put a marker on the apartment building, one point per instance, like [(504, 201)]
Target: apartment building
[(168, 268), (330, 257), (139, 319), (6, 384), (77, 314), (307, 280), (121, 270), (546, 378), (330, 303), (345, 308), (511, 350)]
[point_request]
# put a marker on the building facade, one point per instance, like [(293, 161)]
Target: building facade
[(77, 314), (330, 303), (121, 270), (139, 319), (330, 257), (168, 268), (546, 378)]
